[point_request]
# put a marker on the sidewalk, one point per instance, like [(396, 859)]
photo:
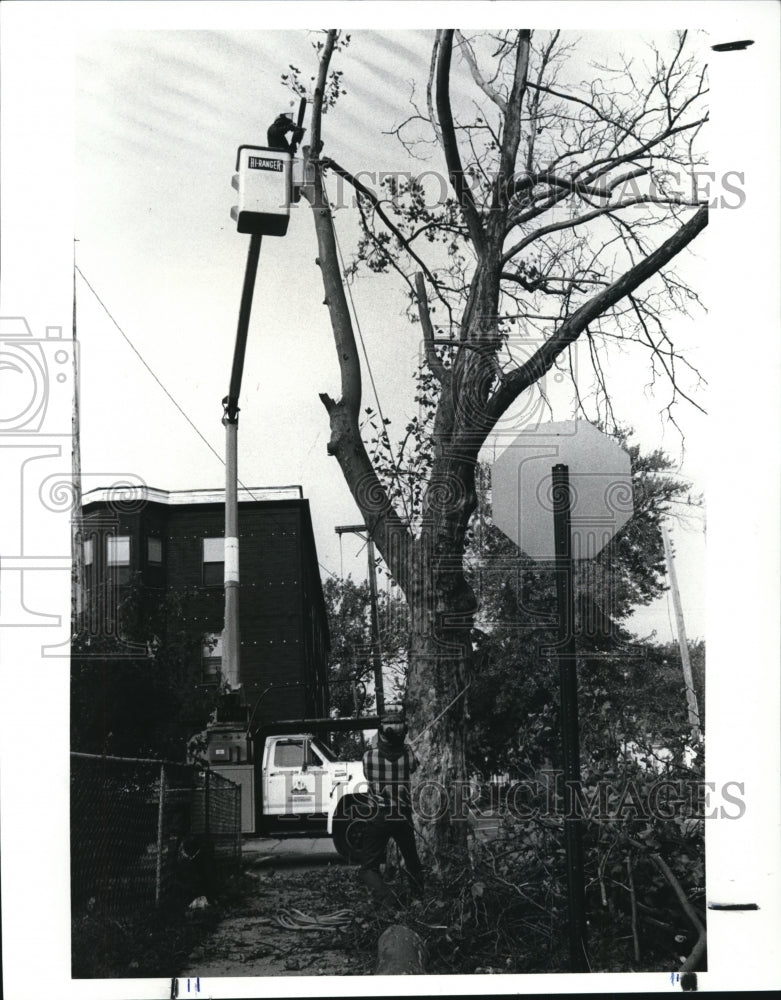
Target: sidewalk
[(317, 850), (320, 850)]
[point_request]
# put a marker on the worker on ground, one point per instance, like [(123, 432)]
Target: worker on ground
[(278, 130), (388, 768)]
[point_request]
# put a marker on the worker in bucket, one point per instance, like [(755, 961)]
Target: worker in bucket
[(388, 767), (278, 130)]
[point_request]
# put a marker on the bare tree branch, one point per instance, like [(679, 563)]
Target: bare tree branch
[(372, 197), (490, 93), (579, 220), (429, 88), (512, 123), (450, 144), (432, 358), (514, 383), (666, 357)]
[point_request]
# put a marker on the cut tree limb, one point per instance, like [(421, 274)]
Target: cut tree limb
[(346, 443), (400, 952)]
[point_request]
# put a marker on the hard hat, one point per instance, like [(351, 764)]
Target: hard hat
[(285, 114), (393, 713)]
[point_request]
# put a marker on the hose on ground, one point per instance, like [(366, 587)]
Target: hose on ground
[(294, 920)]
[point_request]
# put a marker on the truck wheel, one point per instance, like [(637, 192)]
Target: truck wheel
[(348, 832)]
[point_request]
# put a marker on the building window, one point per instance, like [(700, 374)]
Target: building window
[(118, 557), (213, 561), (88, 550), (211, 656), (154, 551)]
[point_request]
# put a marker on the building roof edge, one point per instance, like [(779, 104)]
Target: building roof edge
[(139, 494)]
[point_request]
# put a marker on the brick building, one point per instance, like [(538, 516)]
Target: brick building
[(159, 545)]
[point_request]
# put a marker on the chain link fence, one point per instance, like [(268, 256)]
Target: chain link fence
[(146, 832)]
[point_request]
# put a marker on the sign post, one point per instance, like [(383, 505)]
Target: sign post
[(561, 492), (570, 735)]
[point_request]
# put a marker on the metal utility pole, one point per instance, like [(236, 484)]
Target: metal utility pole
[(77, 533), (570, 736), (683, 645), (379, 690), (230, 639)]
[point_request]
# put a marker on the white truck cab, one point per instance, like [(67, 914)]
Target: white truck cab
[(305, 788)]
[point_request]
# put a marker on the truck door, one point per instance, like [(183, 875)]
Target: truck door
[(295, 778)]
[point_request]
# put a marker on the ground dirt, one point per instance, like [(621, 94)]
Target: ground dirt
[(275, 876)]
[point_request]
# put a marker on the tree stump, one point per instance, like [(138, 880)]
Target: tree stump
[(400, 952)]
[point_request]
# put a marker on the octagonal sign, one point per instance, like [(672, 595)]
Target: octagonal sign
[(600, 479)]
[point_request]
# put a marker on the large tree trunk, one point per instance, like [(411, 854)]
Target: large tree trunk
[(442, 608), (437, 677)]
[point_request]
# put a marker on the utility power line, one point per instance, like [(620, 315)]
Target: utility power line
[(141, 358)]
